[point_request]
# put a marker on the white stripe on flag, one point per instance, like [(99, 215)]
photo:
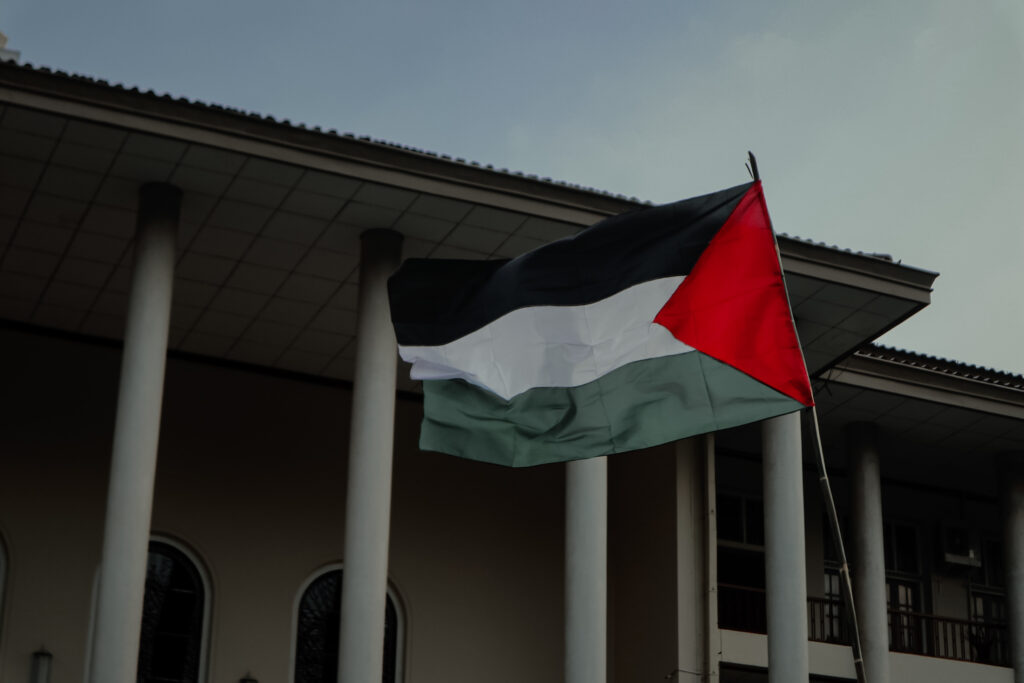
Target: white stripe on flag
[(555, 346)]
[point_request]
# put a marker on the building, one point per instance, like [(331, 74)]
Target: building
[(248, 523)]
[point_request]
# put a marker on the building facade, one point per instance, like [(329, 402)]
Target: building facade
[(252, 243)]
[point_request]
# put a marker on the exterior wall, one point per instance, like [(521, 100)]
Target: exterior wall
[(946, 585), (944, 496), (642, 566), (251, 478), (928, 508)]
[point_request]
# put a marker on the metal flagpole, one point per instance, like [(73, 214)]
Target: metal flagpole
[(837, 539), (826, 488)]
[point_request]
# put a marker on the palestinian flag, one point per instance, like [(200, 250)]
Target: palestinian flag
[(645, 328)]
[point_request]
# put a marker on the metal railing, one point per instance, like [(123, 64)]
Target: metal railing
[(963, 639), (826, 622), (741, 608)]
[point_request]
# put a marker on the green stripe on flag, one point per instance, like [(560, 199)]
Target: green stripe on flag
[(642, 404)]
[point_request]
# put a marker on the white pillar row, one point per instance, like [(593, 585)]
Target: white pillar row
[(586, 570), (122, 579), (867, 558), (371, 445), (785, 566), (1011, 471)]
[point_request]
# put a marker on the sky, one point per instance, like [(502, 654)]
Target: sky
[(879, 126)]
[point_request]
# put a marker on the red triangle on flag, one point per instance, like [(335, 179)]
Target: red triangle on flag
[(733, 305)]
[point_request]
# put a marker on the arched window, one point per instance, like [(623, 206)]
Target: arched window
[(317, 626), (171, 649)]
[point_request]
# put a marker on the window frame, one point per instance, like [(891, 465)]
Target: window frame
[(204, 576), (986, 589), (204, 635), (900, 620), (889, 538), (745, 499), (392, 594)]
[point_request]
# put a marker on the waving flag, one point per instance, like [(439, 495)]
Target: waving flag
[(645, 328)]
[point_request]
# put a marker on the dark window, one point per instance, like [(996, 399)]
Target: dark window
[(990, 638), (741, 598), (992, 563), (988, 607), (905, 619), (730, 518), (740, 519), (903, 587), (900, 546), (829, 541), (827, 613), (172, 618), (316, 654)]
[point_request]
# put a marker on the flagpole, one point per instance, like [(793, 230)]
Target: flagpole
[(823, 482), (837, 539)]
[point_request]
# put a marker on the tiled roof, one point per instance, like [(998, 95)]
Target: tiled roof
[(316, 129), (869, 254), (943, 365), (285, 123)]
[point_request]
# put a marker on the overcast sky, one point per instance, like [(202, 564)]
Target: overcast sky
[(893, 127)]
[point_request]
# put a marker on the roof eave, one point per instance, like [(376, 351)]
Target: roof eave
[(856, 270), (178, 117), (61, 86), (892, 376)]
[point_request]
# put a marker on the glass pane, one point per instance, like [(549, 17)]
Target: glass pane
[(993, 559), (316, 656), (741, 567), (831, 585), (905, 539), (988, 607), (172, 618), (755, 522), (741, 597), (829, 542), (905, 632), (730, 518)]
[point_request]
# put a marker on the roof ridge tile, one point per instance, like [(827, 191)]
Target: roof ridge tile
[(28, 66), (943, 365)]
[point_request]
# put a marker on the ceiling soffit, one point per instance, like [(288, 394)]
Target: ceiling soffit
[(267, 266)]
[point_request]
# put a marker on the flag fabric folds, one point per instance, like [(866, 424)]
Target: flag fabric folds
[(650, 326)]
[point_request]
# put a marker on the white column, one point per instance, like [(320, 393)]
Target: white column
[(712, 632), (371, 441), (1012, 474), (122, 580), (696, 598), (586, 570), (867, 559), (785, 566)]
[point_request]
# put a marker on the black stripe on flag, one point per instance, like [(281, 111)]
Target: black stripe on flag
[(435, 301)]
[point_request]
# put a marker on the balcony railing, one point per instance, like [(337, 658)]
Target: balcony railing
[(968, 641), (743, 609), (826, 621)]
